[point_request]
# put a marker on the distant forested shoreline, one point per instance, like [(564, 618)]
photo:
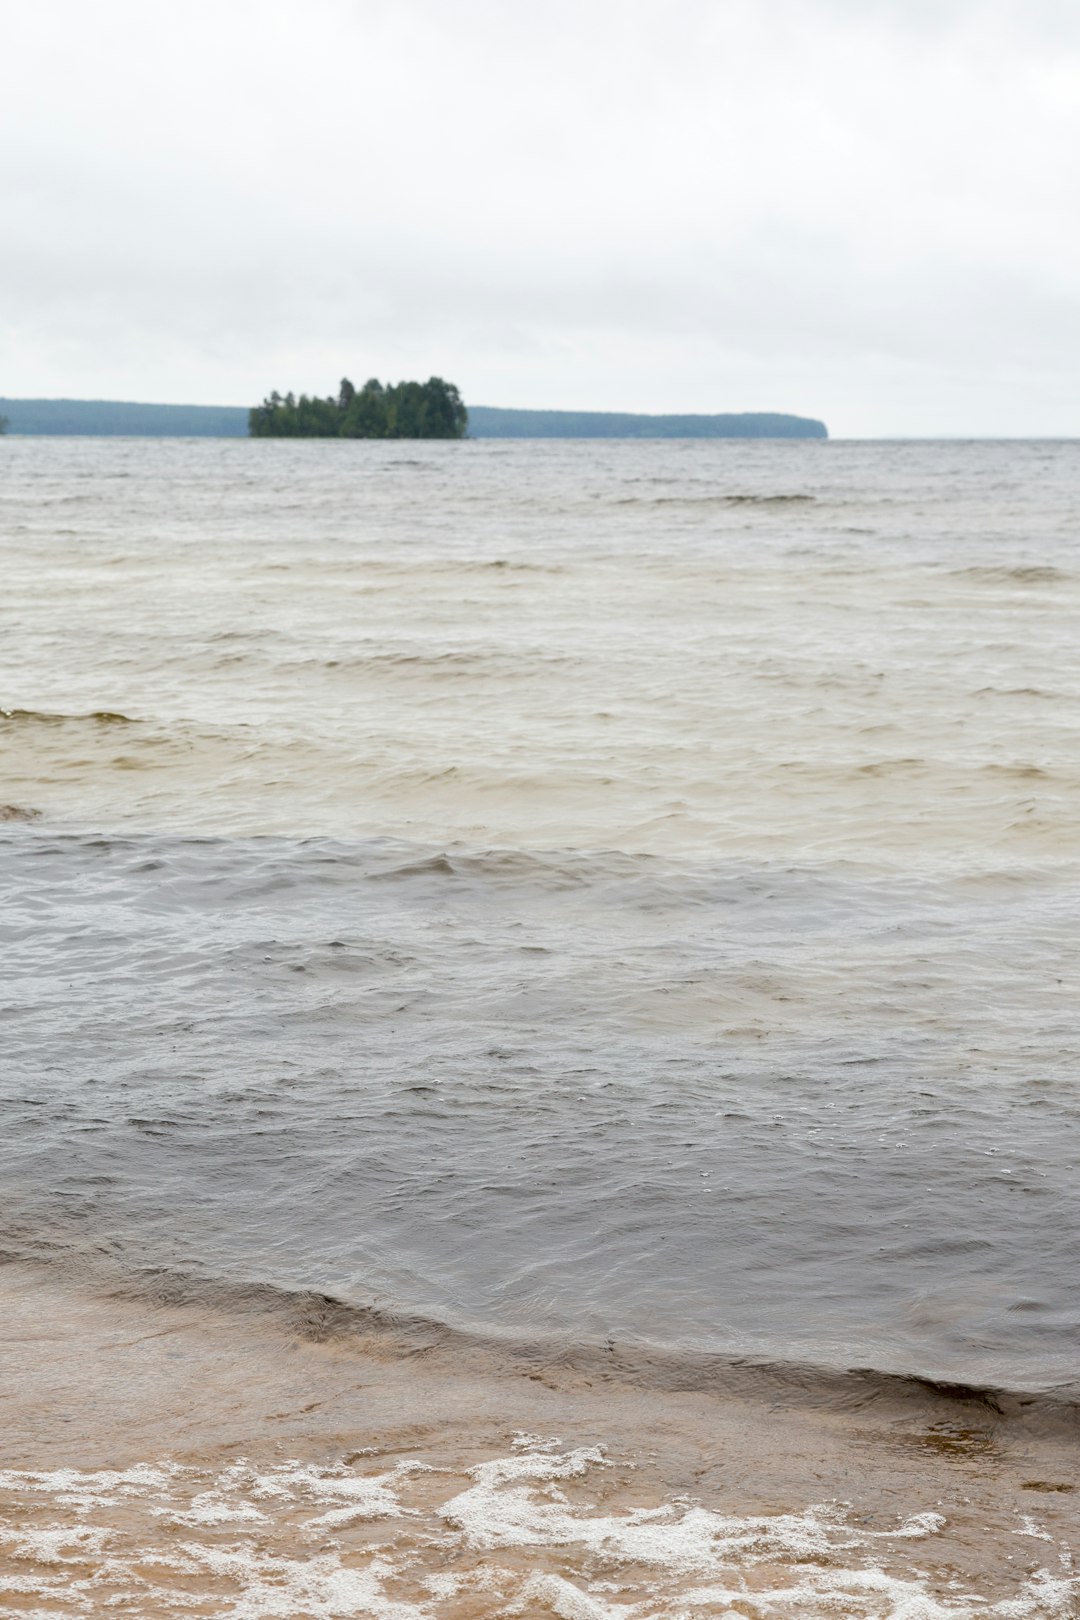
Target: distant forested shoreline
[(405, 410), (127, 419), (116, 418), (499, 422)]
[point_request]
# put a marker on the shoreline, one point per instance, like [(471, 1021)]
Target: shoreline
[(647, 1367), (97, 1382)]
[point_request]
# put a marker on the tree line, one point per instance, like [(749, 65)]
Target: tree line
[(405, 410)]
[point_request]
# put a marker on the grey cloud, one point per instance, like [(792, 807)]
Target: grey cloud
[(859, 210)]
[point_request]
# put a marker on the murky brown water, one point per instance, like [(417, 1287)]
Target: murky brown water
[(603, 917), (175, 1459)]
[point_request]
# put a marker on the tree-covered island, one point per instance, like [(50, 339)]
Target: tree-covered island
[(405, 410)]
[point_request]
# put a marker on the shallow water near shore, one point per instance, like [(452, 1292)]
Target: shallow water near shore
[(597, 913), (237, 1459)]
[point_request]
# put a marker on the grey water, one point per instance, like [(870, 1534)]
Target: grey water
[(622, 893)]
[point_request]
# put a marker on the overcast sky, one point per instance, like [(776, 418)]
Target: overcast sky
[(866, 210)]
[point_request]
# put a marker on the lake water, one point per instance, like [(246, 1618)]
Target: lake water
[(584, 905)]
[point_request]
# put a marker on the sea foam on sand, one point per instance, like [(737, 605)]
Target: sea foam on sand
[(405, 1542)]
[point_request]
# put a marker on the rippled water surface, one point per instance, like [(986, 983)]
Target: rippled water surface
[(584, 895), (789, 652), (634, 887)]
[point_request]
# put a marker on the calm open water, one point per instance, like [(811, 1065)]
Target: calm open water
[(591, 896)]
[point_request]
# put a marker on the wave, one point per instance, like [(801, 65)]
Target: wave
[(481, 661), (511, 565), (1018, 691), (697, 501), (962, 1414), (770, 500), (633, 880), (1014, 574), (46, 717), (637, 880)]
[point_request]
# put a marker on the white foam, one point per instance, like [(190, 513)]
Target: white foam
[(210, 1507), (493, 1543), (1044, 1597), (1028, 1527), (54, 1543), (359, 1496), (74, 1488), (319, 1588), (491, 1515), (566, 1600)]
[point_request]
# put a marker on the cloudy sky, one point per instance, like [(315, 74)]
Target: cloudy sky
[(866, 210)]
